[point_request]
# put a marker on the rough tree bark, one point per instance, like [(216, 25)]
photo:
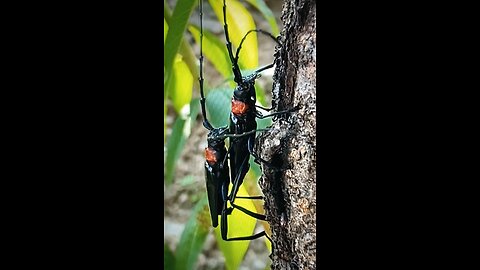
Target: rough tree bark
[(290, 194)]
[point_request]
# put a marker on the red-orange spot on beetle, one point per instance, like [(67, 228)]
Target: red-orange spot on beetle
[(239, 107), (210, 155)]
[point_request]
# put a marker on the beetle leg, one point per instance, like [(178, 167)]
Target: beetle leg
[(224, 230), (248, 212)]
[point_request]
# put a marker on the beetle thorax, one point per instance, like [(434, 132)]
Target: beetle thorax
[(239, 107), (210, 155)]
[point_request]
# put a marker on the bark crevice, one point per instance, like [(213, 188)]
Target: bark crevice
[(290, 144)]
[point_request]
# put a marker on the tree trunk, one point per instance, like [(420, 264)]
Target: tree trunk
[(289, 185)]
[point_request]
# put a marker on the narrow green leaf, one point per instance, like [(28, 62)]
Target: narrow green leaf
[(165, 117), (193, 236), (218, 106), (239, 22), (185, 49), (165, 94), (168, 258), (175, 144), (177, 25), (181, 130), (181, 87), (165, 30), (164, 121), (267, 14), (239, 224), (190, 60)]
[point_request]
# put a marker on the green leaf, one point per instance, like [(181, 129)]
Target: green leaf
[(239, 224), (175, 144), (169, 258), (177, 25), (165, 30), (193, 236), (239, 22), (190, 60), (181, 130), (185, 49), (214, 50), (181, 86), (164, 117), (267, 14), (167, 12), (218, 106)]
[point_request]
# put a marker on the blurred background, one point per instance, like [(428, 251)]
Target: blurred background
[(190, 241)]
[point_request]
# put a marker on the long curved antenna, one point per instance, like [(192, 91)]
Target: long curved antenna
[(206, 124), (236, 70), (257, 31)]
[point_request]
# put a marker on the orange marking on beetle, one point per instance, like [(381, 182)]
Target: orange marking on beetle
[(239, 107), (210, 155)]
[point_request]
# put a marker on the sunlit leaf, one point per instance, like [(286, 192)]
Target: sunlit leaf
[(165, 30), (193, 236), (190, 60), (177, 24), (180, 89), (239, 224), (239, 22), (268, 243), (251, 185)]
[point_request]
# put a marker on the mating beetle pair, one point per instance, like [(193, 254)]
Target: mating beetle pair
[(241, 134)]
